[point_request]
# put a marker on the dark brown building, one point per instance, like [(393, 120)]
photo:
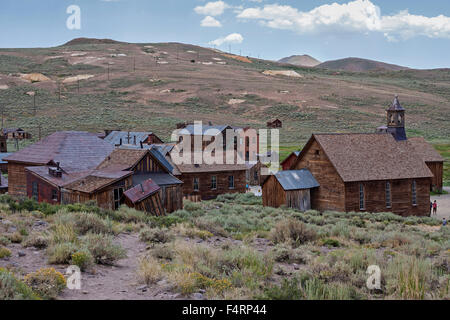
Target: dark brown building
[(145, 197), (433, 160), (275, 124), (287, 163), (366, 172), (16, 133)]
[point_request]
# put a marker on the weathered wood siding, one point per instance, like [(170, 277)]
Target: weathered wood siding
[(437, 168), (147, 164), (299, 199), (401, 197), (172, 197), (45, 189), (331, 193), (17, 179), (151, 204), (288, 162), (273, 194), (205, 191)]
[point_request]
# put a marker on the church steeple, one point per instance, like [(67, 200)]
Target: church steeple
[(396, 120)]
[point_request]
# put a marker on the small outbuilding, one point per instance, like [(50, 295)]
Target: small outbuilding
[(291, 188), (145, 197), (275, 124)]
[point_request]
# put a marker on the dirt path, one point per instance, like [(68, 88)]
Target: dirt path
[(120, 281), (443, 202)]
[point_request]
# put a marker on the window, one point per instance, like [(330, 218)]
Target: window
[(117, 197), (247, 156), (196, 183), (414, 193), (388, 195), (230, 182), (54, 195), (214, 182), (255, 175), (361, 197), (35, 190)]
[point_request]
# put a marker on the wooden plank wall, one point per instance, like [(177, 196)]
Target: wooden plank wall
[(331, 193), (205, 192), (272, 193), (148, 164), (437, 168), (172, 197), (17, 179), (401, 197), (151, 204), (298, 199), (44, 189)]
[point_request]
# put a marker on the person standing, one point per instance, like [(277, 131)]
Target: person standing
[(435, 207)]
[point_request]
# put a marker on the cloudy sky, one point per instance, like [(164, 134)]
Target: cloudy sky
[(414, 33)]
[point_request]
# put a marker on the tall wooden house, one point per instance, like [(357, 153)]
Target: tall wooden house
[(290, 188), (433, 160)]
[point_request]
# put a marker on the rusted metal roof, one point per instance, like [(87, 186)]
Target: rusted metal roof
[(161, 179), (74, 150), (141, 191)]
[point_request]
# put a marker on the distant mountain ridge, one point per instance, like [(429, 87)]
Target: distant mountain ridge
[(78, 41), (301, 60), (359, 65)]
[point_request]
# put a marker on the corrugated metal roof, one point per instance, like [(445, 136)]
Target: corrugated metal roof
[(141, 191), (296, 179), (161, 179), (4, 155), (115, 136)]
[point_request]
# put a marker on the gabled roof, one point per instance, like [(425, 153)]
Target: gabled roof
[(189, 129), (114, 137), (42, 172), (370, 156), (160, 178), (293, 154), (74, 150), (141, 191), (161, 159), (97, 180), (296, 179), (425, 150), (122, 159)]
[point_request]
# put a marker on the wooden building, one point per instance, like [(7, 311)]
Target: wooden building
[(3, 184), (275, 124), (145, 197), (291, 188), (287, 163), (433, 160), (16, 133), (74, 150), (4, 163), (254, 173), (366, 172)]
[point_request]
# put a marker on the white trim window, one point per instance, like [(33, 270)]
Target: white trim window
[(196, 184), (362, 204), (414, 193), (388, 195), (230, 182), (213, 182)]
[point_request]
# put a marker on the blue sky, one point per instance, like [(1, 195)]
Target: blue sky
[(406, 32)]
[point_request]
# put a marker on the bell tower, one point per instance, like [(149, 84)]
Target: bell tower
[(396, 120)]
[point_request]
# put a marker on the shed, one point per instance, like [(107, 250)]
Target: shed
[(275, 124), (145, 197), (291, 188)]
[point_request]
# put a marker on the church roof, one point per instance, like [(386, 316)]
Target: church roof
[(396, 106)]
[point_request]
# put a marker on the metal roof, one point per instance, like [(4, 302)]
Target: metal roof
[(190, 129), (115, 136), (296, 179), (4, 155), (141, 191), (161, 179), (396, 105), (161, 159)]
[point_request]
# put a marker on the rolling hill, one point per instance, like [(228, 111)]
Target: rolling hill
[(301, 60), (153, 86), (359, 65)]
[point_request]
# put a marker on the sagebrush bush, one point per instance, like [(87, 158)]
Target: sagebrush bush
[(4, 252), (12, 288), (38, 240), (149, 270), (83, 259), (61, 252), (155, 235), (46, 282), (102, 248), (292, 231)]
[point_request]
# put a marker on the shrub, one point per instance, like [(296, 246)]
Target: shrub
[(83, 222), (102, 248), (155, 235), (37, 240), (289, 289), (149, 270), (329, 242), (15, 237), (4, 241), (292, 231), (46, 282), (61, 252), (13, 289), (192, 206), (83, 259), (4, 252), (63, 233)]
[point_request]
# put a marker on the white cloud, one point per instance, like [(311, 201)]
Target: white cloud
[(229, 39), (355, 16), (210, 22), (212, 8)]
